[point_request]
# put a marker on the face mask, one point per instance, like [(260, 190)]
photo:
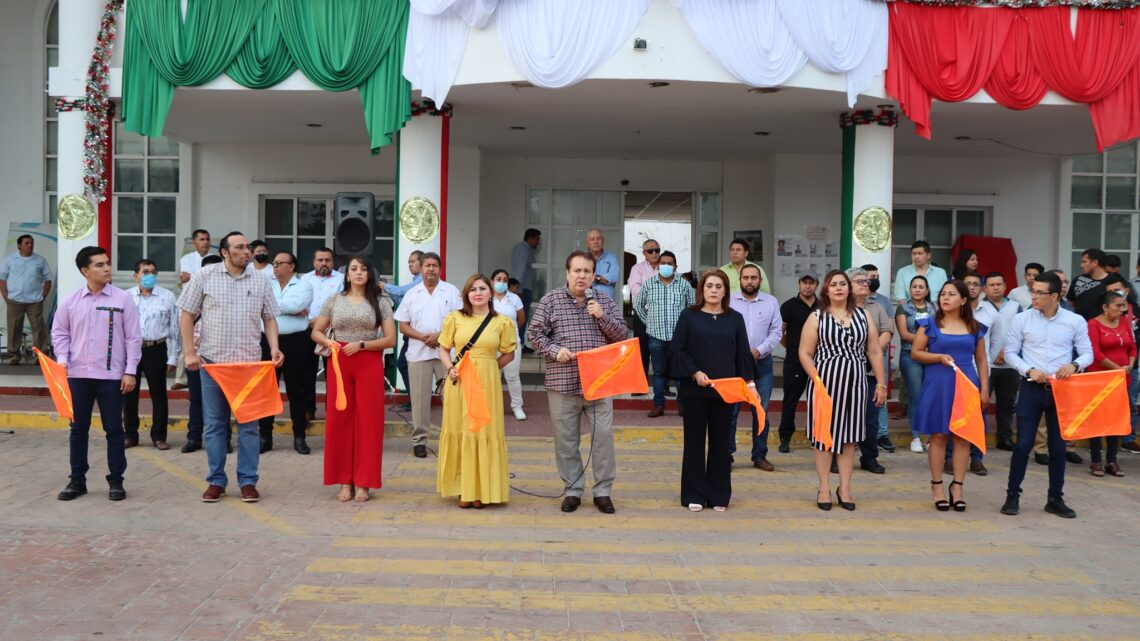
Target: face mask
[(873, 284), (499, 287), (261, 258), (148, 281), (666, 271)]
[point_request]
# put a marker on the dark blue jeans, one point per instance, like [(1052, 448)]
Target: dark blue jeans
[(1033, 401), (85, 392), (527, 297), (764, 377), (657, 351), (869, 446), (402, 366)]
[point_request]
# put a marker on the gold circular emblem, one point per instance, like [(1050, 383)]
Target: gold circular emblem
[(873, 229), (419, 219), (76, 217)]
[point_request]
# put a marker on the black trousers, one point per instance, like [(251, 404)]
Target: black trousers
[(706, 479), (642, 336), (1005, 381), (153, 367), (300, 374), (795, 384)]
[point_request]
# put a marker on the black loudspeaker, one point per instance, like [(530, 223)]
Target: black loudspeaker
[(354, 232)]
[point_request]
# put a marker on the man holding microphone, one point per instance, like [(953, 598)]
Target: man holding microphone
[(569, 320)]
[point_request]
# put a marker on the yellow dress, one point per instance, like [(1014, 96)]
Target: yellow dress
[(473, 465)]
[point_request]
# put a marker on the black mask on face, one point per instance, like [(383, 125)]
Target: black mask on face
[(261, 258), (873, 284)]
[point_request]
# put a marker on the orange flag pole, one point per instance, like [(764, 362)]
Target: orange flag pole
[(341, 398), (821, 410), (478, 414), (735, 390), (56, 377), (966, 414)]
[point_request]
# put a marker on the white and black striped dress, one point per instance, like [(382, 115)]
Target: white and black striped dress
[(841, 358)]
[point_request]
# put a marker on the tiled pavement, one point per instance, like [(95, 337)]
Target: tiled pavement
[(411, 566)]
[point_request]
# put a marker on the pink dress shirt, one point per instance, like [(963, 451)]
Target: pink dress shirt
[(640, 273), (97, 335)]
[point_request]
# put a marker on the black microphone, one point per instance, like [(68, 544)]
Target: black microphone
[(589, 295)]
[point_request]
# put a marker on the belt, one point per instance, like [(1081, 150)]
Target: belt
[(1041, 385), (153, 343)]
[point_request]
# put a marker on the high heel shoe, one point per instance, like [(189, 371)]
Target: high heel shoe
[(942, 505), (959, 505), (849, 506), (821, 505)]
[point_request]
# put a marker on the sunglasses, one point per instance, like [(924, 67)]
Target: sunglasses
[(652, 251)]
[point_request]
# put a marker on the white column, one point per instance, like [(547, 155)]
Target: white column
[(868, 181), (78, 27), (421, 157)]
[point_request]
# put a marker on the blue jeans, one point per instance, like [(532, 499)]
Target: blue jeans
[(85, 392), (216, 411), (402, 367), (763, 377), (1133, 392), (883, 416), (195, 422), (527, 297), (657, 351), (869, 446), (1033, 401), (912, 373)]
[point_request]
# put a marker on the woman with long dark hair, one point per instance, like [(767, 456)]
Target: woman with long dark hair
[(709, 342), (360, 320), (834, 347), (1114, 347), (952, 339), (907, 315), (473, 465), (967, 262)]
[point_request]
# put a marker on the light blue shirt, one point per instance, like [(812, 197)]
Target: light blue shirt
[(606, 266), (25, 277), (1047, 344), (935, 278), (522, 268), (158, 319), (397, 291), (293, 302)]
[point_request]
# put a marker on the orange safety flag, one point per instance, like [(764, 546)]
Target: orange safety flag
[(821, 409), (966, 414), (341, 398), (251, 388), (1092, 404), (735, 390), (612, 370), (478, 414), (56, 377)]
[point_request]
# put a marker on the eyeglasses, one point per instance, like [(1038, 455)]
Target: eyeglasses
[(860, 281), (652, 250), (1033, 293), (973, 284), (278, 263)]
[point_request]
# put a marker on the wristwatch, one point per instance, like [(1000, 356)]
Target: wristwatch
[(361, 344), (1076, 365)]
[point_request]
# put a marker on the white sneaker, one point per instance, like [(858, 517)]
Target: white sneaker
[(519, 414), (916, 446)]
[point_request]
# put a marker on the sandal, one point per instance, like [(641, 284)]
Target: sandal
[(696, 507), (1113, 470), (959, 505), (478, 505), (362, 495), (345, 494), (720, 508), (465, 505), (1096, 469), (942, 505)]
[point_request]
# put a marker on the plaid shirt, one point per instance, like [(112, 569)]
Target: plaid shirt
[(232, 310), (659, 305), (559, 322)]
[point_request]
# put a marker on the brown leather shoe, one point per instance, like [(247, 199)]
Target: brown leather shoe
[(1112, 469), (177, 386), (763, 464), (129, 442), (161, 445), (213, 494), (605, 504), (249, 494), (658, 410), (977, 468), (571, 503)]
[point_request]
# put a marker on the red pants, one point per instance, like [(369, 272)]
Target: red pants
[(354, 436)]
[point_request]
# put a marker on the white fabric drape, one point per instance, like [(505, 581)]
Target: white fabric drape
[(556, 44), (437, 38), (764, 43)]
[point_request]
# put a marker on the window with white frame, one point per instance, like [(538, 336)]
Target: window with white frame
[(708, 224), (51, 117), (302, 224), (145, 208), (1102, 198), (940, 226), (564, 216)]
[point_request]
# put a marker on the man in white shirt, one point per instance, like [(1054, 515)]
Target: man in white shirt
[(261, 258), (1020, 295), (189, 265), (421, 319), (642, 272), (324, 281), (1004, 380), (161, 345)]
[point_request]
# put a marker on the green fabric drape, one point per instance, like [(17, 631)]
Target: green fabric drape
[(338, 44)]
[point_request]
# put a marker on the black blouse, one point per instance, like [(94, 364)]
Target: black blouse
[(716, 344)]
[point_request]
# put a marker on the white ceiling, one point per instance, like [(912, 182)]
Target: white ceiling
[(630, 119)]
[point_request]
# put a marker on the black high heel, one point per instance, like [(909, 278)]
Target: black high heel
[(959, 505), (823, 506), (850, 507), (942, 505)]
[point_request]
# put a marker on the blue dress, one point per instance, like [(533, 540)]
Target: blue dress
[(936, 399)]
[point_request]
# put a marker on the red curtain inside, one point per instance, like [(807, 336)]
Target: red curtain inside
[(994, 255), (1016, 55)]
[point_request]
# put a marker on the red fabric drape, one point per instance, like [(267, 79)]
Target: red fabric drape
[(994, 255), (949, 53)]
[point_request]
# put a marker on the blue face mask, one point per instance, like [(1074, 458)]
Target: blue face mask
[(148, 281), (666, 271), (500, 287)]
